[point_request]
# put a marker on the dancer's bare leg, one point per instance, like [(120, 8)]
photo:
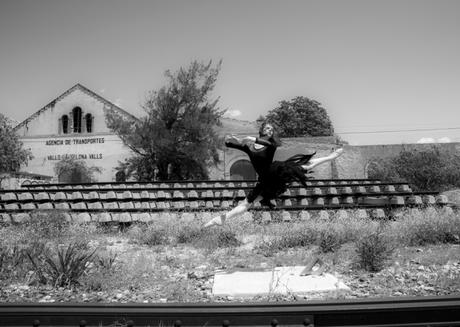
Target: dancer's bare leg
[(241, 208), (318, 161)]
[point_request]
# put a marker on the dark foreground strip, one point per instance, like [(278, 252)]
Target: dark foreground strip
[(414, 311)]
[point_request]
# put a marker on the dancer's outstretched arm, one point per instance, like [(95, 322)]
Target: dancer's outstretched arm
[(258, 140), (318, 161), (231, 141)]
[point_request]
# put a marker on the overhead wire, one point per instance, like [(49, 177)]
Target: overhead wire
[(401, 130)]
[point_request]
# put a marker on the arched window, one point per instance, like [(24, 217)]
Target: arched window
[(65, 124), (374, 170), (89, 123), (76, 112)]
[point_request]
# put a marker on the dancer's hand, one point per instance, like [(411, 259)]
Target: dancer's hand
[(231, 137)]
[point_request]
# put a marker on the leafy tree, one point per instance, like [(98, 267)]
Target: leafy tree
[(299, 117), (177, 138), (12, 155), (432, 169), (70, 170)]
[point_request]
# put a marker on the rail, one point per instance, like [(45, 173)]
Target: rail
[(211, 181), (410, 311)]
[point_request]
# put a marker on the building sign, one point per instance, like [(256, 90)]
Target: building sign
[(75, 156), (89, 140), (71, 142)]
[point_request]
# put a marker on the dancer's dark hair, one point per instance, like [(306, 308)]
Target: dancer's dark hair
[(275, 139)]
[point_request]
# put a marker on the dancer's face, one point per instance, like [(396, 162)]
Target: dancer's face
[(268, 130)]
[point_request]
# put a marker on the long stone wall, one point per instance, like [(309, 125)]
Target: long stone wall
[(352, 164), (290, 146)]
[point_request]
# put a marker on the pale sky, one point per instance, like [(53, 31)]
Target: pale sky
[(373, 65)]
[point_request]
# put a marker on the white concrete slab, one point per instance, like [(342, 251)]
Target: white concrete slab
[(287, 280), (241, 283), (280, 280)]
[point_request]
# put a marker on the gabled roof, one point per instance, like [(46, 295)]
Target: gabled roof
[(80, 87)]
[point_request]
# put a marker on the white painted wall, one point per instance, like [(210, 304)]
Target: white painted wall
[(99, 148), (102, 150)]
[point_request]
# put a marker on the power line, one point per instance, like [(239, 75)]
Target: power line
[(402, 130)]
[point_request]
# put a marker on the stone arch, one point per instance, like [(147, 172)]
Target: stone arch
[(26, 182), (242, 170), (369, 167)]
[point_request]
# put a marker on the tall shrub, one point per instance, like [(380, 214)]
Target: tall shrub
[(177, 138), (432, 168)]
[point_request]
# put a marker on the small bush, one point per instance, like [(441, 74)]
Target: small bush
[(102, 273), (433, 168), (226, 238), (106, 262), (217, 238), (189, 234), (153, 235), (352, 227), (373, 250), (329, 240), (62, 267), (295, 239), (332, 234)]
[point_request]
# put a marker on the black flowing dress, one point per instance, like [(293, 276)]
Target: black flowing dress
[(274, 177)]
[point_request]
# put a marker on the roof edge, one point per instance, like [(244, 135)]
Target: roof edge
[(65, 93)]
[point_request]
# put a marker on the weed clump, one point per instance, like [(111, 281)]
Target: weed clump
[(189, 234), (329, 240), (416, 228), (154, 236), (151, 235), (374, 250), (226, 238), (330, 235), (327, 236)]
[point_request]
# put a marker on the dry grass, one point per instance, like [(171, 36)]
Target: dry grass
[(173, 259)]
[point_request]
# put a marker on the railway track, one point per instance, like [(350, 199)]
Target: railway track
[(413, 311)]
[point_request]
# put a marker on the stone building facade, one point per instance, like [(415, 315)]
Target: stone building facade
[(73, 125)]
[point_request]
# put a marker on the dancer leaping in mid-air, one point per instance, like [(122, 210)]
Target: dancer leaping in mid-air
[(273, 176)]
